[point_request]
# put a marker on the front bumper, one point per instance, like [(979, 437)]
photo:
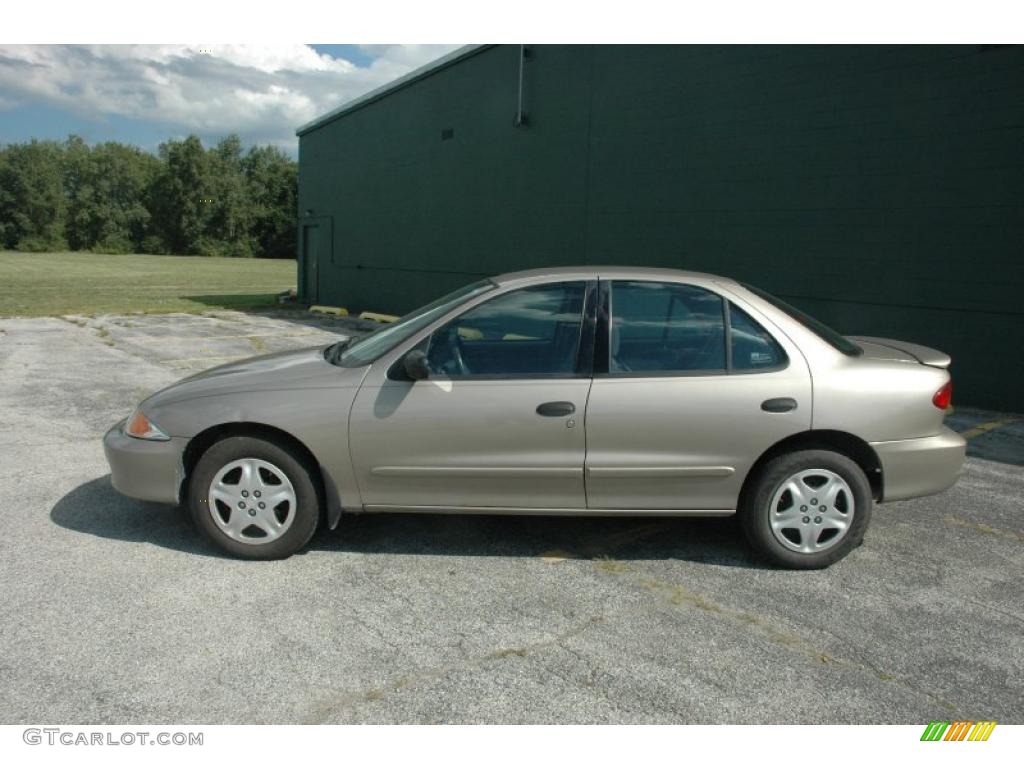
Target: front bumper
[(150, 470), (922, 466)]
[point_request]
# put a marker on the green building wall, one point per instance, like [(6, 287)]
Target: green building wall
[(879, 188)]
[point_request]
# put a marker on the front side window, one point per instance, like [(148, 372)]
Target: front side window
[(532, 331), (665, 327)]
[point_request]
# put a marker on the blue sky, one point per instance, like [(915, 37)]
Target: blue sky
[(144, 94)]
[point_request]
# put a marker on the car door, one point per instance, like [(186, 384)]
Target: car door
[(689, 389), (498, 423)]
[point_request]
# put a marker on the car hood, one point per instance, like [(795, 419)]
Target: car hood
[(893, 349), (275, 361), (295, 369)]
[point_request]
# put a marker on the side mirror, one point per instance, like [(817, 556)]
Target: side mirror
[(415, 365)]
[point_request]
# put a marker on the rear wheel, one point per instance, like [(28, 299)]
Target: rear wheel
[(254, 499), (807, 509)]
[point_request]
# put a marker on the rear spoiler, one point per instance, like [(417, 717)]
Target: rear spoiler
[(924, 355)]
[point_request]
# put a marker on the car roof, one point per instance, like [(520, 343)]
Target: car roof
[(608, 273)]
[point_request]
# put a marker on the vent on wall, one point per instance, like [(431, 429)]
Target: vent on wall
[(447, 133)]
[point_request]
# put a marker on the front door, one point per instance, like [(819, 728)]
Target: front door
[(498, 424), (689, 393)]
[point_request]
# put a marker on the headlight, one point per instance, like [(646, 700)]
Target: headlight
[(141, 427)]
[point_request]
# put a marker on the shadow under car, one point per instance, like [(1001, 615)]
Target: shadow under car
[(96, 509)]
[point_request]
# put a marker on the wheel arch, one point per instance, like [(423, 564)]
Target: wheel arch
[(849, 445), (198, 445)]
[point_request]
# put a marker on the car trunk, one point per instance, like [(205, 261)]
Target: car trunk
[(892, 349)]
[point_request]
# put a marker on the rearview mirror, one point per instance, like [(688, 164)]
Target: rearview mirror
[(415, 365)]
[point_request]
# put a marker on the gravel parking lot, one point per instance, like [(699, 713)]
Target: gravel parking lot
[(115, 611)]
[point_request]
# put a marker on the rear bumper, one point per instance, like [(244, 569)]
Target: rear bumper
[(922, 466), (144, 469)]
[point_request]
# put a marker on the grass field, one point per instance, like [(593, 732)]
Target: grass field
[(35, 284)]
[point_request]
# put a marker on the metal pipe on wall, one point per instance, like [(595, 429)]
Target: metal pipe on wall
[(520, 118)]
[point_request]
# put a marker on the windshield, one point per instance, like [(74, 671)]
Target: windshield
[(367, 349), (817, 327)]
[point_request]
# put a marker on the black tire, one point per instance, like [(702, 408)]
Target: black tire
[(755, 511), (307, 507)]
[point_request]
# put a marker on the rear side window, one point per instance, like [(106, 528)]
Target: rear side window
[(664, 328), (753, 348), (674, 328)]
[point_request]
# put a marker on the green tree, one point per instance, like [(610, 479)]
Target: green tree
[(227, 229), (32, 203), (179, 193), (113, 197), (272, 179), (106, 189)]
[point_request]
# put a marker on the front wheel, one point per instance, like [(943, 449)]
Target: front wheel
[(807, 509), (254, 499)]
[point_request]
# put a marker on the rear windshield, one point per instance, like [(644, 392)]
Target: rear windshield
[(817, 327)]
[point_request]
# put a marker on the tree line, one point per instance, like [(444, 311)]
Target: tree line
[(117, 198)]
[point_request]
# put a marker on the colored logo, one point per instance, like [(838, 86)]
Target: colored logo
[(960, 730)]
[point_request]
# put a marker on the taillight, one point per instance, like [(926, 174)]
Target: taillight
[(944, 396)]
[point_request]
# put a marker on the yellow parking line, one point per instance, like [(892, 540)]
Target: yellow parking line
[(983, 528), (988, 426)]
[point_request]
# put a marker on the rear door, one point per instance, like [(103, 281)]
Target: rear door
[(689, 389)]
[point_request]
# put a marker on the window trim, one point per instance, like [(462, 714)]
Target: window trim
[(604, 321), (727, 329), (584, 353)]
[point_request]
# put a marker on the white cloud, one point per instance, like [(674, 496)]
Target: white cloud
[(260, 92)]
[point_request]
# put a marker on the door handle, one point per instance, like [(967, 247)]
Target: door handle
[(556, 408), (779, 405)]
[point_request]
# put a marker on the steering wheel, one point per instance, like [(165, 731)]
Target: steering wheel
[(457, 356)]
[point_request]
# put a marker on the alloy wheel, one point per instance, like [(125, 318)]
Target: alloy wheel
[(812, 511), (252, 501)]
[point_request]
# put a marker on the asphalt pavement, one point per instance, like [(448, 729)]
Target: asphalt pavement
[(116, 611)]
